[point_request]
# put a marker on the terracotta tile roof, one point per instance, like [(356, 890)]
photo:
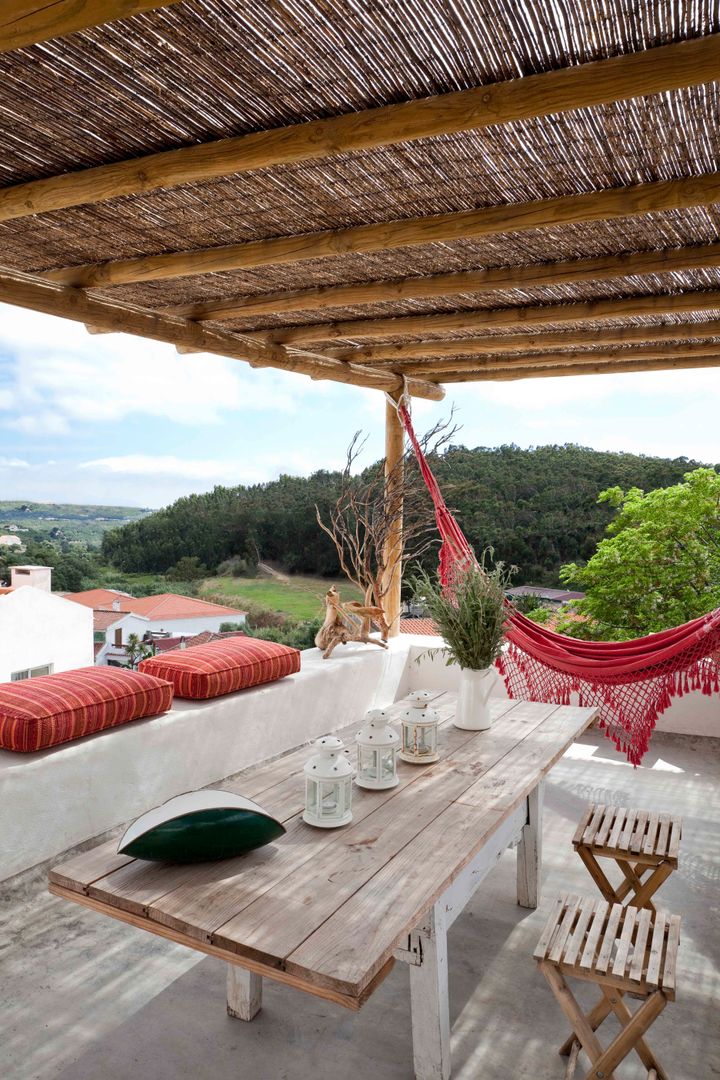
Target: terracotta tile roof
[(97, 598), (102, 619), (174, 606), (167, 644), (418, 626)]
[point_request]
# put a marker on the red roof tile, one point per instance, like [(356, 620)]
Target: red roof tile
[(418, 626), (97, 598)]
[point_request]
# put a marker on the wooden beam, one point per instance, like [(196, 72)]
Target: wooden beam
[(432, 369), (410, 351), (387, 235), (28, 22), (623, 307), (394, 450), (36, 294), (495, 279), (554, 371), (669, 67)]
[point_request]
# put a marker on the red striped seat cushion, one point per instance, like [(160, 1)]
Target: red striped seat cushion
[(220, 667), (52, 709)]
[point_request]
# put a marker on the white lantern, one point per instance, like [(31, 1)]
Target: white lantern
[(377, 746), (328, 784), (420, 730)]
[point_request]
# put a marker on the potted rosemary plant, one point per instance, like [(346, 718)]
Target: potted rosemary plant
[(471, 618)]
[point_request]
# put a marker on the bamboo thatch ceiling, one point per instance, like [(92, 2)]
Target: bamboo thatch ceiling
[(187, 74)]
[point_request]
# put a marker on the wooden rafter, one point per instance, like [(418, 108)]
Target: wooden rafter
[(29, 291), (507, 374), (465, 281), (686, 350), (28, 22), (411, 351), (668, 67), (530, 315), (383, 236)]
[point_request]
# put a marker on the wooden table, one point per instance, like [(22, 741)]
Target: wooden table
[(330, 911)]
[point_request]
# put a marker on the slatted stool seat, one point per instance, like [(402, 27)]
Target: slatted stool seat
[(624, 950), (644, 845)]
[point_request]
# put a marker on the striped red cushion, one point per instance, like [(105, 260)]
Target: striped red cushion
[(220, 667), (52, 709)]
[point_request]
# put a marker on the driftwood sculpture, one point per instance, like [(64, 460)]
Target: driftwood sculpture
[(349, 621)]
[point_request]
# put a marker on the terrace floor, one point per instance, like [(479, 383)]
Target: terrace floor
[(83, 997)]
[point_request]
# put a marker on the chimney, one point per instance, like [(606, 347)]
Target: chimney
[(183, 643), (116, 604), (39, 577)]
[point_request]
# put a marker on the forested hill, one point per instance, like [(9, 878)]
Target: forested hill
[(537, 508)]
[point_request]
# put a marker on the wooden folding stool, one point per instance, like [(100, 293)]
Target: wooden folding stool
[(625, 951), (644, 845)]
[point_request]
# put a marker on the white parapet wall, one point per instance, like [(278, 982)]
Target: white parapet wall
[(56, 799)]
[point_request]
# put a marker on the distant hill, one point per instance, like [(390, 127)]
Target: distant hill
[(41, 521), (537, 508)]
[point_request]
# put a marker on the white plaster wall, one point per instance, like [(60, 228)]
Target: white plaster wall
[(37, 627), (130, 624), (188, 627), (54, 799)]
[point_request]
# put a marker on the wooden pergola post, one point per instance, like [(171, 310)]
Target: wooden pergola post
[(394, 470)]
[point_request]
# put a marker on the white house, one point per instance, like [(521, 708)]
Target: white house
[(117, 615), (41, 633)]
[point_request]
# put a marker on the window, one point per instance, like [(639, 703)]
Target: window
[(118, 638), (30, 673)]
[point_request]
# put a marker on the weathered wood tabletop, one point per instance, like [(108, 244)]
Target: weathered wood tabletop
[(325, 910)]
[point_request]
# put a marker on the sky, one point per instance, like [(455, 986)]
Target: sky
[(117, 420)]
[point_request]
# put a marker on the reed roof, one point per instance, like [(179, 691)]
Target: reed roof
[(195, 72)]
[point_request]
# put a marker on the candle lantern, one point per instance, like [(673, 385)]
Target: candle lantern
[(420, 730), (377, 746), (328, 784)]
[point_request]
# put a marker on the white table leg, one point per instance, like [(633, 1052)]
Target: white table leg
[(244, 993), (429, 1001), (529, 852)]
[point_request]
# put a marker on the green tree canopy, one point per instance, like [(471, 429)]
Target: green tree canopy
[(659, 565)]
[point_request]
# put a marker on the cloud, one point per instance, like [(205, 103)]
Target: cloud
[(207, 471), (60, 376), (14, 463)]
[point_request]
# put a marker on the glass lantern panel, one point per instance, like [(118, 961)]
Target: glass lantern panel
[(345, 790), (368, 763), (388, 763), (426, 740), (311, 796), (408, 738), (330, 806)]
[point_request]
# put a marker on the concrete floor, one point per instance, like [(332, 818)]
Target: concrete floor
[(85, 998)]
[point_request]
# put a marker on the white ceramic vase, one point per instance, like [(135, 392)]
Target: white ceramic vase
[(473, 705)]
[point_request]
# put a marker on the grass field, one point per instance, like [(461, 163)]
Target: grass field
[(300, 597)]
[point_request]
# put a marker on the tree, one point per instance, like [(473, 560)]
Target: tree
[(137, 650), (188, 568), (659, 565)]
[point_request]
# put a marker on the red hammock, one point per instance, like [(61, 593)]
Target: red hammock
[(632, 682)]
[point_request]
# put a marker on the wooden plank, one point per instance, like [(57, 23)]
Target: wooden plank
[(80, 871), (138, 921), (587, 814), (606, 827), (529, 851), (587, 958), (637, 965), (648, 847), (588, 908), (550, 926), (608, 205), (621, 956), (277, 923), (495, 279), (372, 921), (28, 22), (638, 837), (667, 67), (603, 961), (674, 843), (522, 315), (623, 843), (406, 352), (657, 945), (429, 1002), (594, 824), (244, 993), (553, 370), (670, 963), (37, 294), (564, 929), (663, 834)]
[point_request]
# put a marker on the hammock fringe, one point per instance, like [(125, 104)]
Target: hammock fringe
[(631, 682)]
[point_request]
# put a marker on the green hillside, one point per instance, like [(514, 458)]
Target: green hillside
[(64, 521), (537, 508)]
